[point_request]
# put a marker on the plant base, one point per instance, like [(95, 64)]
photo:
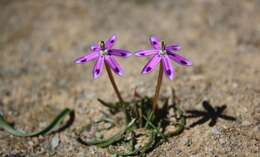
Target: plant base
[(144, 130)]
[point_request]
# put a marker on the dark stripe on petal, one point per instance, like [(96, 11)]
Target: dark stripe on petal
[(183, 62), (88, 57), (179, 59), (117, 70), (155, 42), (114, 65), (110, 42), (167, 67), (150, 66), (149, 52), (119, 53), (172, 54), (169, 72), (83, 60), (173, 48), (148, 69), (123, 54)]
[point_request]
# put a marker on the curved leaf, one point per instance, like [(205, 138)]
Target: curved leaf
[(54, 125)]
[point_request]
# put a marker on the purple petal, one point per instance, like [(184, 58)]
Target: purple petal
[(88, 57), (155, 42), (142, 53), (179, 59), (119, 52), (167, 67), (110, 42), (114, 65), (94, 47), (98, 68), (150, 66), (173, 48)]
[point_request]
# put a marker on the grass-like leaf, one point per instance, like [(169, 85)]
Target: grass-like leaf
[(55, 124), (106, 142)]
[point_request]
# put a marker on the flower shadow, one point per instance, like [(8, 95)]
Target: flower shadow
[(210, 113)]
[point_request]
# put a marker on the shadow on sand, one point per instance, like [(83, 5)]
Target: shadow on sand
[(211, 114)]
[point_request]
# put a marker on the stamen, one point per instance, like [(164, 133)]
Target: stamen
[(102, 45), (162, 45), (103, 50), (163, 50)]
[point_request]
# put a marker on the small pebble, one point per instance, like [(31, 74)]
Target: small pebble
[(222, 141), (258, 127), (178, 151), (55, 142), (246, 123), (187, 142), (215, 131), (30, 143)]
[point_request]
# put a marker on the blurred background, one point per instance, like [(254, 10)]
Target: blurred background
[(40, 39)]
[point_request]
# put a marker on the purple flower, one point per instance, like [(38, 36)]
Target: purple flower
[(164, 54), (104, 53)]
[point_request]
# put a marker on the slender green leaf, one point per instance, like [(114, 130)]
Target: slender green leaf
[(54, 125), (106, 142)]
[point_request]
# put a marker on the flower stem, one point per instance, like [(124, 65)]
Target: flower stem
[(111, 77), (157, 90), (121, 100)]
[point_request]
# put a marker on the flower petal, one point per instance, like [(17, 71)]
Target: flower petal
[(167, 67), (94, 47), (110, 42), (86, 58), (155, 42), (173, 48), (142, 53), (114, 65), (150, 66), (119, 52), (179, 59), (98, 67)]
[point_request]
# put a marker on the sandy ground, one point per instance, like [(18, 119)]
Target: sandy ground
[(40, 39)]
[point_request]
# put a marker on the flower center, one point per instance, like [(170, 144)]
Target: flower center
[(162, 52), (103, 52)]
